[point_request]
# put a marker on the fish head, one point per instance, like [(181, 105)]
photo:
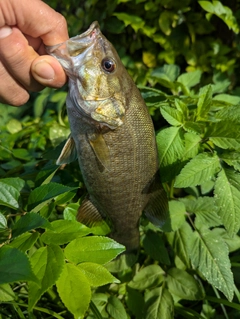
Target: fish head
[(97, 77)]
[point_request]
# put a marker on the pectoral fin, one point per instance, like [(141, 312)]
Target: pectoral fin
[(100, 149), (69, 152), (88, 214), (157, 210)]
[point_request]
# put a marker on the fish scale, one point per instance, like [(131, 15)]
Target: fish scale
[(112, 135)]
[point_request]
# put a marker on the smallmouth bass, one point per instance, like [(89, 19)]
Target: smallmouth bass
[(113, 137)]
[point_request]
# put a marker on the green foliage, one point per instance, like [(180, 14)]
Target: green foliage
[(185, 58)]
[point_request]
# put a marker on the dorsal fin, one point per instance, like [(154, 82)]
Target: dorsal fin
[(68, 153)]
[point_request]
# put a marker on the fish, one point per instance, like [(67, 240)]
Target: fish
[(113, 138)]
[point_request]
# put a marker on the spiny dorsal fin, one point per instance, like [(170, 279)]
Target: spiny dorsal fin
[(69, 152), (88, 214), (100, 149)]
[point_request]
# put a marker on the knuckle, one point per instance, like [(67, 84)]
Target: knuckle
[(61, 21)]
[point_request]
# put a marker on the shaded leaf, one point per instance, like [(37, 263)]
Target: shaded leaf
[(14, 266), (204, 102), (6, 293), (43, 194), (28, 222), (147, 277), (10, 191), (183, 285), (116, 309), (159, 304), (173, 116), (25, 241)]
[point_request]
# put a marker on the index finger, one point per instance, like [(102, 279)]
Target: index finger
[(34, 18)]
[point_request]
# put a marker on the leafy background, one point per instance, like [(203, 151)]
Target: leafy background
[(184, 56)]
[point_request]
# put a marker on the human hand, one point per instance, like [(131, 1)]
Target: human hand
[(25, 27)]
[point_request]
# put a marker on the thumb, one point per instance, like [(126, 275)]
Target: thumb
[(48, 71)]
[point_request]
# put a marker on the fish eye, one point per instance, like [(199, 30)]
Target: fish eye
[(108, 65)]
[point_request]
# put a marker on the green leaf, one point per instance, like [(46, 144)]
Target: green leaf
[(74, 290), (3, 222), (209, 253), (173, 116), (180, 243), (183, 285), (190, 79), (205, 210), (14, 266), (64, 231), (154, 246), (116, 309), (96, 274), (6, 293), (47, 263), (170, 148), (28, 222), (224, 134), (166, 75), (134, 21), (147, 277), (159, 304), (232, 159), (204, 102), (192, 143), (177, 214), (94, 249), (135, 302), (25, 241), (200, 169), (227, 199), (44, 194), (10, 191)]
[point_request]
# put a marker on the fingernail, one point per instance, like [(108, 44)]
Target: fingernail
[(5, 31), (44, 70)]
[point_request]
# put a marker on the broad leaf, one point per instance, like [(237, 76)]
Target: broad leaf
[(224, 134), (190, 79), (94, 249), (47, 263), (64, 231), (116, 309), (198, 170), (135, 302), (204, 102), (183, 285), (10, 192), (28, 222), (170, 148), (192, 142), (45, 193), (159, 304), (154, 246), (209, 253), (147, 277), (227, 199), (14, 266), (74, 290), (173, 116), (25, 241), (6, 293), (96, 274), (205, 210)]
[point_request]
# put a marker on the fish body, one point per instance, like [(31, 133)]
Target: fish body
[(112, 135)]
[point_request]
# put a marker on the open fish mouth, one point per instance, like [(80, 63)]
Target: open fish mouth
[(76, 45)]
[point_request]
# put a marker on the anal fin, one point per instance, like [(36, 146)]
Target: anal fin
[(88, 214)]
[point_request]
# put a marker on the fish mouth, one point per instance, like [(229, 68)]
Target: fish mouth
[(75, 45)]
